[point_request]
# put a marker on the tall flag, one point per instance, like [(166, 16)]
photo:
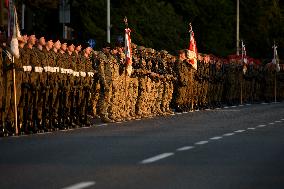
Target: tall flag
[(244, 58), (192, 49), (15, 34), (244, 53), (128, 50), (275, 59)]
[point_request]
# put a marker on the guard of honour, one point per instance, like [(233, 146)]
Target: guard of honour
[(63, 84)]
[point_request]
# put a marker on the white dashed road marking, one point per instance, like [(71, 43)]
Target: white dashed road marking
[(259, 126), (101, 125), (271, 123), (251, 128), (277, 121), (185, 148), (226, 107), (216, 138), (157, 158), (241, 105), (81, 185), (234, 106), (240, 131), (201, 142), (178, 113), (229, 134)]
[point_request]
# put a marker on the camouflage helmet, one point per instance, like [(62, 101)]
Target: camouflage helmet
[(164, 52), (140, 48)]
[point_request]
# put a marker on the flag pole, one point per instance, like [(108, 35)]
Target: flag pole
[(275, 88), (125, 69), (191, 72), (242, 78), (15, 96)]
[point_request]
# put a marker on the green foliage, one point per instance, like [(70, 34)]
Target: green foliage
[(163, 24)]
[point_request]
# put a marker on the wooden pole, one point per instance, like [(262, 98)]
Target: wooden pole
[(242, 89), (15, 97), (275, 88)]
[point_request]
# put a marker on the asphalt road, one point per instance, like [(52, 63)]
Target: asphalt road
[(238, 147)]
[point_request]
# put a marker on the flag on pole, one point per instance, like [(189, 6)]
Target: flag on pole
[(128, 51), (192, 49), (244, 53), (15, 34), (244, 58), (275, 59)]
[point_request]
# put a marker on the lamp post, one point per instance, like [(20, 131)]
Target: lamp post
[(238, 27), (108, 21)]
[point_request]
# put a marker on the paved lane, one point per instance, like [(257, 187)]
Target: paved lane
[(236, 147)]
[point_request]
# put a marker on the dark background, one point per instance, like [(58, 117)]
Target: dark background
[(163, 24)]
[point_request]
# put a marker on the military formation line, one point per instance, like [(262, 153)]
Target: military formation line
[(64, 84)]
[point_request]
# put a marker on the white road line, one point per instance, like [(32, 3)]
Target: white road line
[(234, 106), (81, 185), (218, 108), (263, 103), (178, 113), (229, 134), (45, 133), (157, 158), (185, 112), (251, 128), (277, 121), (239, 131), (84, 127), (216, 138), (197, 110), (248, 104), (185, 148), (201, 142), (241, 105), (226, 107), (19, 136), (207, 109), (271, 123), (259, 126), (101, 125)]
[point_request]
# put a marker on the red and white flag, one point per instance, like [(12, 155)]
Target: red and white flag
[(128, 51), (15, 33), (192, 51)]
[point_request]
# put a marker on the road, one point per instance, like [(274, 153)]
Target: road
[(238, 147)]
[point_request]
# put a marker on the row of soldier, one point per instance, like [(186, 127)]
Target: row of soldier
[(59, 85)]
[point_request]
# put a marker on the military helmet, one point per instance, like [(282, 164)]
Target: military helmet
[(140, 48)]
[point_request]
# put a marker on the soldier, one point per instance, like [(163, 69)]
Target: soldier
[(143, 85), (105, 77), (96, 83), (62, 97), (117, 108), (1, 90), (48, 65), (181, 70), (88, 82)]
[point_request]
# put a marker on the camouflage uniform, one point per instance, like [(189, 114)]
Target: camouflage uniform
[(105, 77)]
